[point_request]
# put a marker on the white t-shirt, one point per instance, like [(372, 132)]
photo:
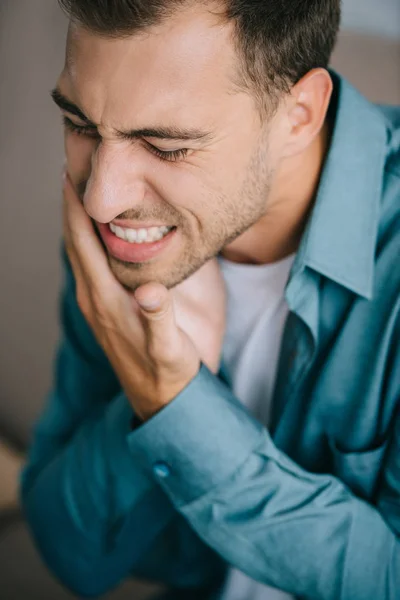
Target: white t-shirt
[(256, 315)]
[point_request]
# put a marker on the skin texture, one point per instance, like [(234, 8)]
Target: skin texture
[(245, 191), (154, 339), (250, 173)]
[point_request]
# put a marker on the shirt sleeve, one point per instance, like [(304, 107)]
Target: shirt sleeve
[(95, 513), (303, 533)]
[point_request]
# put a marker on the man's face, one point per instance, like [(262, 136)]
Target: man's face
[(172, 80)]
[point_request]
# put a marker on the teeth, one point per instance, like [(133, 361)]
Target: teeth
[(155, 233), (120, 232), (140, 236), (130, 235)]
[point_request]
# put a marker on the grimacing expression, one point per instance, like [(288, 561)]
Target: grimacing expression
[(178, 76)]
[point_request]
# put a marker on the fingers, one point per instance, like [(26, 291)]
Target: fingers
[(82, 290), (108, 307), (163, 335), (82, 243)]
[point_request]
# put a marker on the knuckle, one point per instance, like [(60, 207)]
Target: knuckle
[(105, 311), (82, 301), (97, 303), (103, 316)]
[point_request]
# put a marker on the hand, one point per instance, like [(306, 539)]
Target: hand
[(154, 338)]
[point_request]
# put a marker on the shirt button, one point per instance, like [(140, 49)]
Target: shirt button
[(161, 469)]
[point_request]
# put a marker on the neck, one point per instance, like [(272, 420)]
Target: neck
[(278, 233)]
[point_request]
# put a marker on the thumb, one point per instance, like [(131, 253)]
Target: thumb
[(157, 309), (153, 300)]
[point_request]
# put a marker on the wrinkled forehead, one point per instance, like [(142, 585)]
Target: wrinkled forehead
[(186, 64)]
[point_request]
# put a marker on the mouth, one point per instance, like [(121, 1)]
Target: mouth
[(136, 245), (141, 235)]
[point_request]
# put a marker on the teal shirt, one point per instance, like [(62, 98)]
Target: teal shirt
[(311, 506)]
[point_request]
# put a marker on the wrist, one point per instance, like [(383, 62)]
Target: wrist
[(145, 409)]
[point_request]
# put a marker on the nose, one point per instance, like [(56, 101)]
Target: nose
[(116, 183)]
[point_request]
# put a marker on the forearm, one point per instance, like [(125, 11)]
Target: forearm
[(300, 532), (308, 536), (91, 510), (95, 515)]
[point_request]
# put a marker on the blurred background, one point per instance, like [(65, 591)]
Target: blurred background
[(32, 38)]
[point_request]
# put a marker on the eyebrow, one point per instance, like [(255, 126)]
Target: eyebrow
[(164, 133), (63, 103)]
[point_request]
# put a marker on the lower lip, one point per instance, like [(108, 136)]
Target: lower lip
[(131, 252)]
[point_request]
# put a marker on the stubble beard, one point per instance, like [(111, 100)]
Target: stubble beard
[(230, 219)]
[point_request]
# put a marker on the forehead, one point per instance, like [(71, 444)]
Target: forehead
[(185, 65)]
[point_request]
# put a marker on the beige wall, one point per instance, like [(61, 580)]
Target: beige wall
[(32, 37), (31, 52)]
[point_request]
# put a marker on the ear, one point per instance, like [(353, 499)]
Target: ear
[(306, 110)]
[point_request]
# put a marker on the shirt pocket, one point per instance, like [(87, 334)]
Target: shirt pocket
[(359, 470)]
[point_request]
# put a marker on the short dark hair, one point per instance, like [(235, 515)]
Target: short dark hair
[(278, 41)]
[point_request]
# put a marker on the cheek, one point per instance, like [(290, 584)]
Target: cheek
[(190, 191), (78, 153)]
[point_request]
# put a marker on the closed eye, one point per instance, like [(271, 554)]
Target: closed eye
[(167, 155), (89, 131), (80, 129)]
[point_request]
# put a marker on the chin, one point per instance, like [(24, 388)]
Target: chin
[(132, 275), (170, 272)]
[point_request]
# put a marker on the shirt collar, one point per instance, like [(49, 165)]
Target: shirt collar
[(340, 239)]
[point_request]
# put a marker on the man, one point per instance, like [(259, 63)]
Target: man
[(225, 195)]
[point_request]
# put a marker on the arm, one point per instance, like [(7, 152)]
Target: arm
[(303, 533), (94, 514)]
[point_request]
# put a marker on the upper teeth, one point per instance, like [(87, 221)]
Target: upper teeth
[(139, 236)]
